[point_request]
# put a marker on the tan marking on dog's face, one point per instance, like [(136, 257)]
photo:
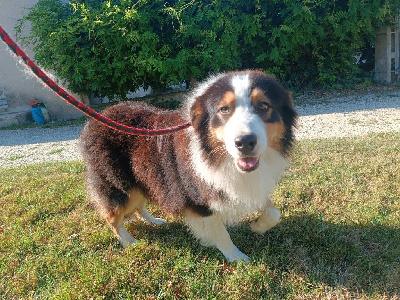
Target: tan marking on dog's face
[(260, 100), (275, 132), (226, 106), (257, 95), (219, 133), (228, 99), (225, 109), (275, 129)]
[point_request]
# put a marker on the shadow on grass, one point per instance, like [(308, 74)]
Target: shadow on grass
[(355, 257)]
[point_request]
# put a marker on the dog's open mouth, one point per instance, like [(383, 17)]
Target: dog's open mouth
[(247, 164)]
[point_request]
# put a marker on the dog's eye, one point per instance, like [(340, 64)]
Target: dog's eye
[(224, 110), (262, 105)]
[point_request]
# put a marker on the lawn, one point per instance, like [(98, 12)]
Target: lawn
[(339, 235)]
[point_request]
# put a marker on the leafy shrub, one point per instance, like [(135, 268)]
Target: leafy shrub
[(100, 46), (112, 47)]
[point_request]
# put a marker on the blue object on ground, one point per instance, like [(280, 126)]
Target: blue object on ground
[(38, 115)]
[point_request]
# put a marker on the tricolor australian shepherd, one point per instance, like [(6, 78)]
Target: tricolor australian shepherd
[(221, 169)]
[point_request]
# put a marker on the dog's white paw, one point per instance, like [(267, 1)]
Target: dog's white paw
[(128, 241), (266, 221), (235, 255), (123, 235)]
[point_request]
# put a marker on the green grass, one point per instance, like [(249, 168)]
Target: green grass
[(15, 157), (52, 124), (339, 236), (55, 151)]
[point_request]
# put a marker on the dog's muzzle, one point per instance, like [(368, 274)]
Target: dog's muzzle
[(246, 145)]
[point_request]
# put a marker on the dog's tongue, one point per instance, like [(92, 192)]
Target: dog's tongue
[(247, 163)]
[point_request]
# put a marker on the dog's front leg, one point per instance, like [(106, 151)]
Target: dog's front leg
[(268, 219), (211, 231)]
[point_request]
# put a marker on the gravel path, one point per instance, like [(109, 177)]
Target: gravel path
[(337, 115)]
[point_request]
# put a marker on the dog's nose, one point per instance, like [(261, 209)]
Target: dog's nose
[(246, 143)]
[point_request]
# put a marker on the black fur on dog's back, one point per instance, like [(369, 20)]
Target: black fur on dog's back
[(117, 162)]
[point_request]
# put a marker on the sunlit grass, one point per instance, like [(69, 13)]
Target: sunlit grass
[(55, 151), (339, 236)]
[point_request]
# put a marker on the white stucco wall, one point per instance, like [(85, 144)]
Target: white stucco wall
[(19, 85)]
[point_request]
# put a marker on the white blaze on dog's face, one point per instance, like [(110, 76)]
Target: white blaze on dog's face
[(241, 114), (244, 134)]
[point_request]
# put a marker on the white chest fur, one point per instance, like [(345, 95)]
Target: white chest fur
[(246, 192)]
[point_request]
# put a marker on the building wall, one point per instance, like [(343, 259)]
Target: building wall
[(387, 55), (18, 84)]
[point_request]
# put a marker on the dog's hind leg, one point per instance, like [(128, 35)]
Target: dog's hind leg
[(117, 225), (268, 219), (139, 200), (211, 231), (117, 208), (150, 219)]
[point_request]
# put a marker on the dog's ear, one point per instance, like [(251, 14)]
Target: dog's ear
[(291, 101), (197, 114)]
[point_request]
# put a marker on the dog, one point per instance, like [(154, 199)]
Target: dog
[(216, 172)]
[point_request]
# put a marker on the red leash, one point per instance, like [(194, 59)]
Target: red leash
[(79, 105)]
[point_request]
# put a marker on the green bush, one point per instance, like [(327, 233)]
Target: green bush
[(112, 47), (102, 47)]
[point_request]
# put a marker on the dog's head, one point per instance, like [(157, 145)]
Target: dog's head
[(241, 114)]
